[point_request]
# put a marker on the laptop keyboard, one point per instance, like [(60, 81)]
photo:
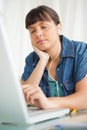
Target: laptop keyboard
[(35, 111), (32, 109)]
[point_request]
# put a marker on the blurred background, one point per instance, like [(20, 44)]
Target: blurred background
[(73, 16)]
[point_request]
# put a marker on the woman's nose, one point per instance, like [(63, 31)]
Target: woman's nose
[(39, 33)]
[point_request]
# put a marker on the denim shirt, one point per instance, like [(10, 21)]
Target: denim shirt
[(71, 68)]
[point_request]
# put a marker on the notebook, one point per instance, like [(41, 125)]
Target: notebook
[(13, 108)]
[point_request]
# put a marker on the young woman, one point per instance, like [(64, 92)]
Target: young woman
[(55, 73)]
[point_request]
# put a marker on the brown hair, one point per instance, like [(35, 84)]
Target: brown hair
[(41, 13)]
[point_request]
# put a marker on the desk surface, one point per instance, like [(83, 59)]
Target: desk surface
[(78, 122)]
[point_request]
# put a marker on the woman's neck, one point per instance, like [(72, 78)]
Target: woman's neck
[(55, 51)]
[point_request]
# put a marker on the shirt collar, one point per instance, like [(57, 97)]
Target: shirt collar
[(67, 47)]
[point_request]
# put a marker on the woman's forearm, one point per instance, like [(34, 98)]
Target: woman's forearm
[(77, 100), (37, 73)]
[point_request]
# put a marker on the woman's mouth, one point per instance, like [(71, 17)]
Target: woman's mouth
[(40, 42)]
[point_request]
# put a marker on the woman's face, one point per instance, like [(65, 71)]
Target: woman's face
[(44, 34)]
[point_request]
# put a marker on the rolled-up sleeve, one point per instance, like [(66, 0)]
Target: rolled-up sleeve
[(81, 64)]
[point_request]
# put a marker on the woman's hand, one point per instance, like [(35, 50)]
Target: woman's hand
[(42, 54), (35, 96)]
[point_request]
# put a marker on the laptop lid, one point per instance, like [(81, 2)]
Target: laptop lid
[(12, 102)]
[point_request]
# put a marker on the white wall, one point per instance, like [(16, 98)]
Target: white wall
[(72, 14)]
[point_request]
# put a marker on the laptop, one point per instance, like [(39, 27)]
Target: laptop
[(13, 108)]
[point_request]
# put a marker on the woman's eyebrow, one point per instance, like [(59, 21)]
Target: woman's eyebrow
[(32, 26)]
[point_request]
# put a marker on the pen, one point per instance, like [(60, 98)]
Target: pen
[(74, 112)]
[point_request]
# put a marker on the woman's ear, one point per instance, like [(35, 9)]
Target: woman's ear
[(59, 28)]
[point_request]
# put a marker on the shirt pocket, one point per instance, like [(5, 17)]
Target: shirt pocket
[(69, 87)]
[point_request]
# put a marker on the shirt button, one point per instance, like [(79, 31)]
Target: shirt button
[(58, 69), (61, 84), (47, 87)]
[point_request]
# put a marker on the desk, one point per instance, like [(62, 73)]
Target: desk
[(78, 122)]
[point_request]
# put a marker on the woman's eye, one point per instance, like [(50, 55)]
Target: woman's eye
[(43, 27), (32, 31)]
